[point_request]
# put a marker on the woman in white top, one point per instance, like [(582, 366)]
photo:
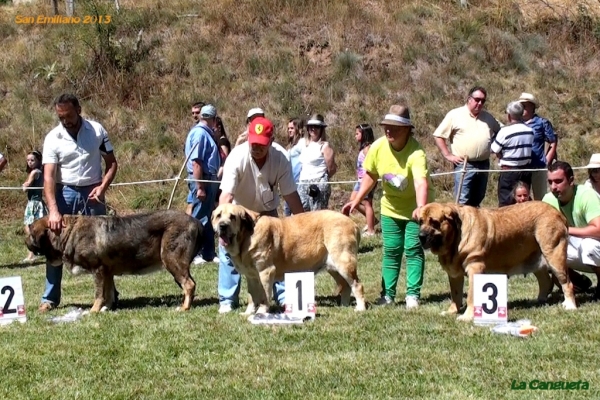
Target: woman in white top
[(594, 173), (318, 165)]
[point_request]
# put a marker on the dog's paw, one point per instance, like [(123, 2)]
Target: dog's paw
[(448, 312), (250, 310), (360, 307), (569, 305), (262, 310), (465, 318)]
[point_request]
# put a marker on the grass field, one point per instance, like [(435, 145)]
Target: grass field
[(147, 350)]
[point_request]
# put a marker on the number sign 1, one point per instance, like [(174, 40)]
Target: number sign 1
[(12, 301), (490, 299), (300, 294)]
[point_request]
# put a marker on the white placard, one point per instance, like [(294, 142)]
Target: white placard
[(490, 299), (12, 301), (300, 294)]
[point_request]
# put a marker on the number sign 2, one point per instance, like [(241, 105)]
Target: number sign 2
[(12, 301), (490, 299), (300, 294)]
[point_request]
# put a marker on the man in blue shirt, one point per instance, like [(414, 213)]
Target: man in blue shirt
[(542, 133), (203, 163)]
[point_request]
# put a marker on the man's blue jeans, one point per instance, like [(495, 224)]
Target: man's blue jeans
[(202, 211), (69, 200), (230, 282), (475, 183)]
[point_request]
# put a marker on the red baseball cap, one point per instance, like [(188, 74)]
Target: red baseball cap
[(260, 131)]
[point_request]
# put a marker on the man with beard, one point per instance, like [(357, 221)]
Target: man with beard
[(73, 181), (581, 206)]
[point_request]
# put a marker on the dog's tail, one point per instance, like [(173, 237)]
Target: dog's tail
[(358, 236)]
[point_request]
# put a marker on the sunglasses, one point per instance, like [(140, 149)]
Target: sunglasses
[(478, 100)]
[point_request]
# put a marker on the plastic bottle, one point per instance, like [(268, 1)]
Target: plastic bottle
[(520, 328), (71, 316)]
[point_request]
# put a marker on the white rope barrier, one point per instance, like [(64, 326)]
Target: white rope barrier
[(330, 182)]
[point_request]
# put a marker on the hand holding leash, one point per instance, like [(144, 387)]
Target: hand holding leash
[(96, 194)]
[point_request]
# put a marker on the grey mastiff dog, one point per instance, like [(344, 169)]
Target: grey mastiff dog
[(106, 246)]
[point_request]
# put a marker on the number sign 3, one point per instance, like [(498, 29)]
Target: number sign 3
[(490, 299), (12, 302)]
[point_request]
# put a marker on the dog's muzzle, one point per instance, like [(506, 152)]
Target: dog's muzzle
[(424, 239), (224, 232), (429, 239)]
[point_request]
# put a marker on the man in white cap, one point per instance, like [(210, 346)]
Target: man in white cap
[(203, 163), (542, 133), (252, 113)]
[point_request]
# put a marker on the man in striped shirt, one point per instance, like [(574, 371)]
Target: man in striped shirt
[(513, 146)]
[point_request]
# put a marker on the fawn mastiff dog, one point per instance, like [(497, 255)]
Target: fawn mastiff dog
[(264, 248), (106, 246), (518, 239)]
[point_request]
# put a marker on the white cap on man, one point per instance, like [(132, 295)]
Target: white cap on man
[(255, 112)]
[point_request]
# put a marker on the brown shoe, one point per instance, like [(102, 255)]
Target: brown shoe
[(45, 307)]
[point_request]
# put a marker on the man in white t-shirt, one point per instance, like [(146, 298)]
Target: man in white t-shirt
[(73, 181), (3, 162), (250, 175)]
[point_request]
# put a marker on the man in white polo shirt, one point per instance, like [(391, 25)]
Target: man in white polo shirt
[(73, 182), (513, 146), (250, 175)]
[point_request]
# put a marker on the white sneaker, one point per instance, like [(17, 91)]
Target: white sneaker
[(384, 301), (198, 260), (225, 308), (216, 260), (412, 302)]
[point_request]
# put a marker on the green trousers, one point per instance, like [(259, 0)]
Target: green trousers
[(401, 236)]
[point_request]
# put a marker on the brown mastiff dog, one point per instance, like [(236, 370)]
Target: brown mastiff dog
[(106, 246), (530, 237), (265, 248)]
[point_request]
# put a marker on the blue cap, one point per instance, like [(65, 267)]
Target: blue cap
[(208, 111)]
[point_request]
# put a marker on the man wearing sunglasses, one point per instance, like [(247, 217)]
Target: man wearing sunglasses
[(470, 130)]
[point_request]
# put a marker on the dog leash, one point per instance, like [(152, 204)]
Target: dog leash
[(85, 206)]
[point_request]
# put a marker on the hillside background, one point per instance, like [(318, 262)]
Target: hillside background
[(347, 59)]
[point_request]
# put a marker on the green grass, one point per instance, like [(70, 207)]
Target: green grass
[(147, 350)]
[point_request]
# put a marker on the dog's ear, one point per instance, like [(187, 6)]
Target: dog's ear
[(451, 214), (247, 222)]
